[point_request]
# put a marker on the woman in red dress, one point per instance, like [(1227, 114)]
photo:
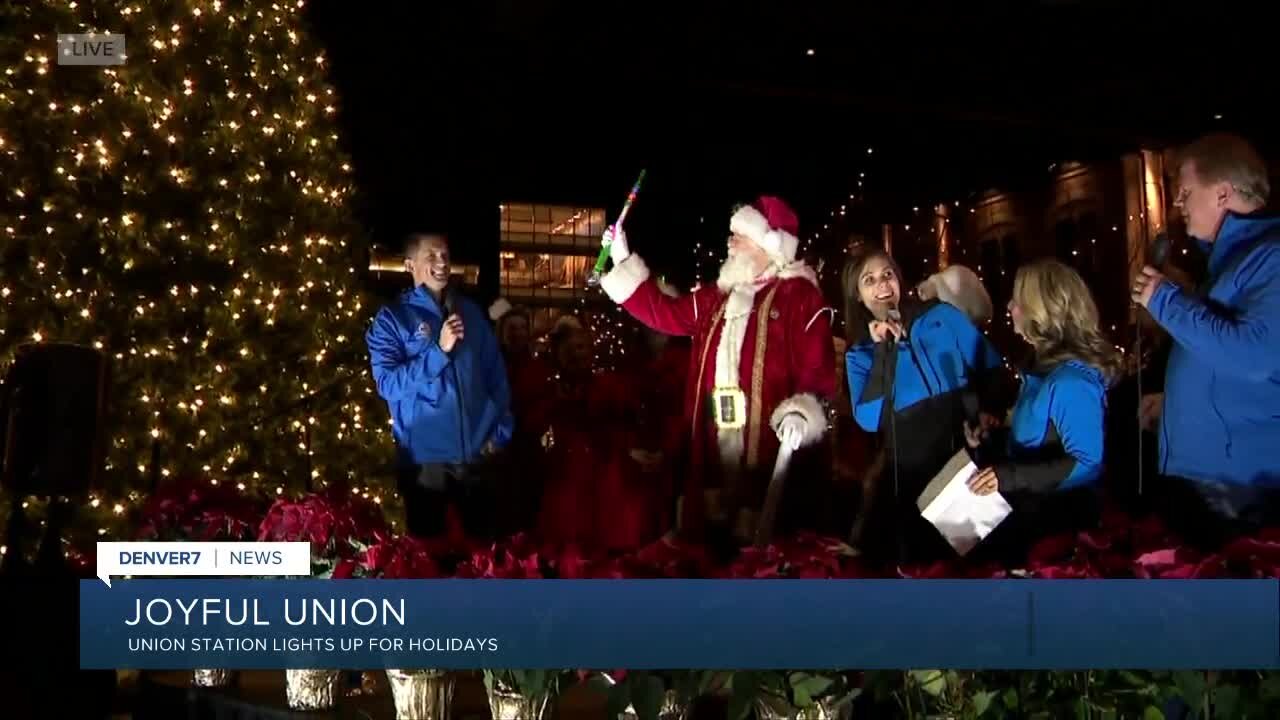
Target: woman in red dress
[(597, 495)]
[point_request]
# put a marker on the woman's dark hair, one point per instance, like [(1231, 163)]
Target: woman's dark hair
[(856, 315)]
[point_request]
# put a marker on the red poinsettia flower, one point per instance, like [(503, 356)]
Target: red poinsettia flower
[(1054, 548), (345, 569), (570, 563), (403, 557)]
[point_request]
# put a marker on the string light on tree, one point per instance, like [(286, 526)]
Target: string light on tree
[(122, 135)]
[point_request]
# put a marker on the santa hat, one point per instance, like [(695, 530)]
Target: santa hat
[(772, 225), (960, 287), (499, 308)]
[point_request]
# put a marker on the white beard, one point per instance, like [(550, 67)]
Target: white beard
[(735, 271)]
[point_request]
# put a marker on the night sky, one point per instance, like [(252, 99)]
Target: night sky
[(452, 108)]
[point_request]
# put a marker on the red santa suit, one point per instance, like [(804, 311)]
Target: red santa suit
[(761, 350)]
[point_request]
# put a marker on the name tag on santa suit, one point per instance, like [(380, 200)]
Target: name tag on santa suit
[(729, 404)]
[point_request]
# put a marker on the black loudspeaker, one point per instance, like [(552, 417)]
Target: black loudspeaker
[(54, 411)]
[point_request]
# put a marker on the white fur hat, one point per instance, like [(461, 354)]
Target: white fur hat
[(772, 225), (961, 287), (500, 307)]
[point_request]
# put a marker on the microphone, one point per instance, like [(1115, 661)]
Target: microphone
[(1158, 252), (450, 299), (450, 304), (896, 316)]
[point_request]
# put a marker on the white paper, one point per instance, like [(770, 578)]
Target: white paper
[(962, 517)]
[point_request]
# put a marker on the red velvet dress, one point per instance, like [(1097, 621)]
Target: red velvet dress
[(595, 493)]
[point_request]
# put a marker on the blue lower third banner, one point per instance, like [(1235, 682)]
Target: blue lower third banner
[(679, 624)]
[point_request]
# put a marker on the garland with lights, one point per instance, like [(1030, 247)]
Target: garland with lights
[(188, 213)]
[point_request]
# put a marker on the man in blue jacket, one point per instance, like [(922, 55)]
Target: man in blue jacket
[(438, 365), (1220, 421)]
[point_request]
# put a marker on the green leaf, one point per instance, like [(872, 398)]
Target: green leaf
[(1082, 708), (1270, 687), (745, 687), (488, 681), (982, 702), (1152, 713), (933, 682), (1011, 698), (1191, 686), (1226, 701), (805, 688), (1132, 679), (646, 696)]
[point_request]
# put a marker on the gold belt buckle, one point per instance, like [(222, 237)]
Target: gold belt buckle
[(730, 407)]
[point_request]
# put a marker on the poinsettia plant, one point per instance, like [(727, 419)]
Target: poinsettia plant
[(517, 559), (199, 509), (537, 689), (392, 557), (806, 555), (657, 694), (338, 525)]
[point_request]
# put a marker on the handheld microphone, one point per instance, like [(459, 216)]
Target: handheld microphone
[(450, 300), (450, 304), (895, 315), (1158, 253)]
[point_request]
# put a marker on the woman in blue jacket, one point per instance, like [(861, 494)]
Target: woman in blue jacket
[(937, 370), (1048, 462)]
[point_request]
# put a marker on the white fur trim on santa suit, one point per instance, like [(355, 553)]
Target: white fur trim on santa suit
[(798, 269), (621, 282), (960, 287), (810, 408), (733, 333)]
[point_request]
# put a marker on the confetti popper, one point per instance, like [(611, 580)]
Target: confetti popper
[(593, 280)]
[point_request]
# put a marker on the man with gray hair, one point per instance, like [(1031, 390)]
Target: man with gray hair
[(1219, 424)]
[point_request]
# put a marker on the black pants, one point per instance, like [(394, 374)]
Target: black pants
[(429, 489), (1036, 516), (1208, 518)]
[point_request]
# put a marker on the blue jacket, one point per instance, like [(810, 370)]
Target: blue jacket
[(444, 406), (940, 374), (1221, 419), (943, 353), (1055, 436)]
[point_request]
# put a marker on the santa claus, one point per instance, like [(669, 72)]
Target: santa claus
[(761, 370)]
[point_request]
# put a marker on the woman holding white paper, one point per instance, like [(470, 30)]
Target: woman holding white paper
[(917, 369), (1048, 462)]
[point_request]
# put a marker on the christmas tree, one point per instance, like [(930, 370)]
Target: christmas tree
[(188, 212)]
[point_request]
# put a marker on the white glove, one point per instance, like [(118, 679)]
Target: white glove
[(791, 430), (617, 242)]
